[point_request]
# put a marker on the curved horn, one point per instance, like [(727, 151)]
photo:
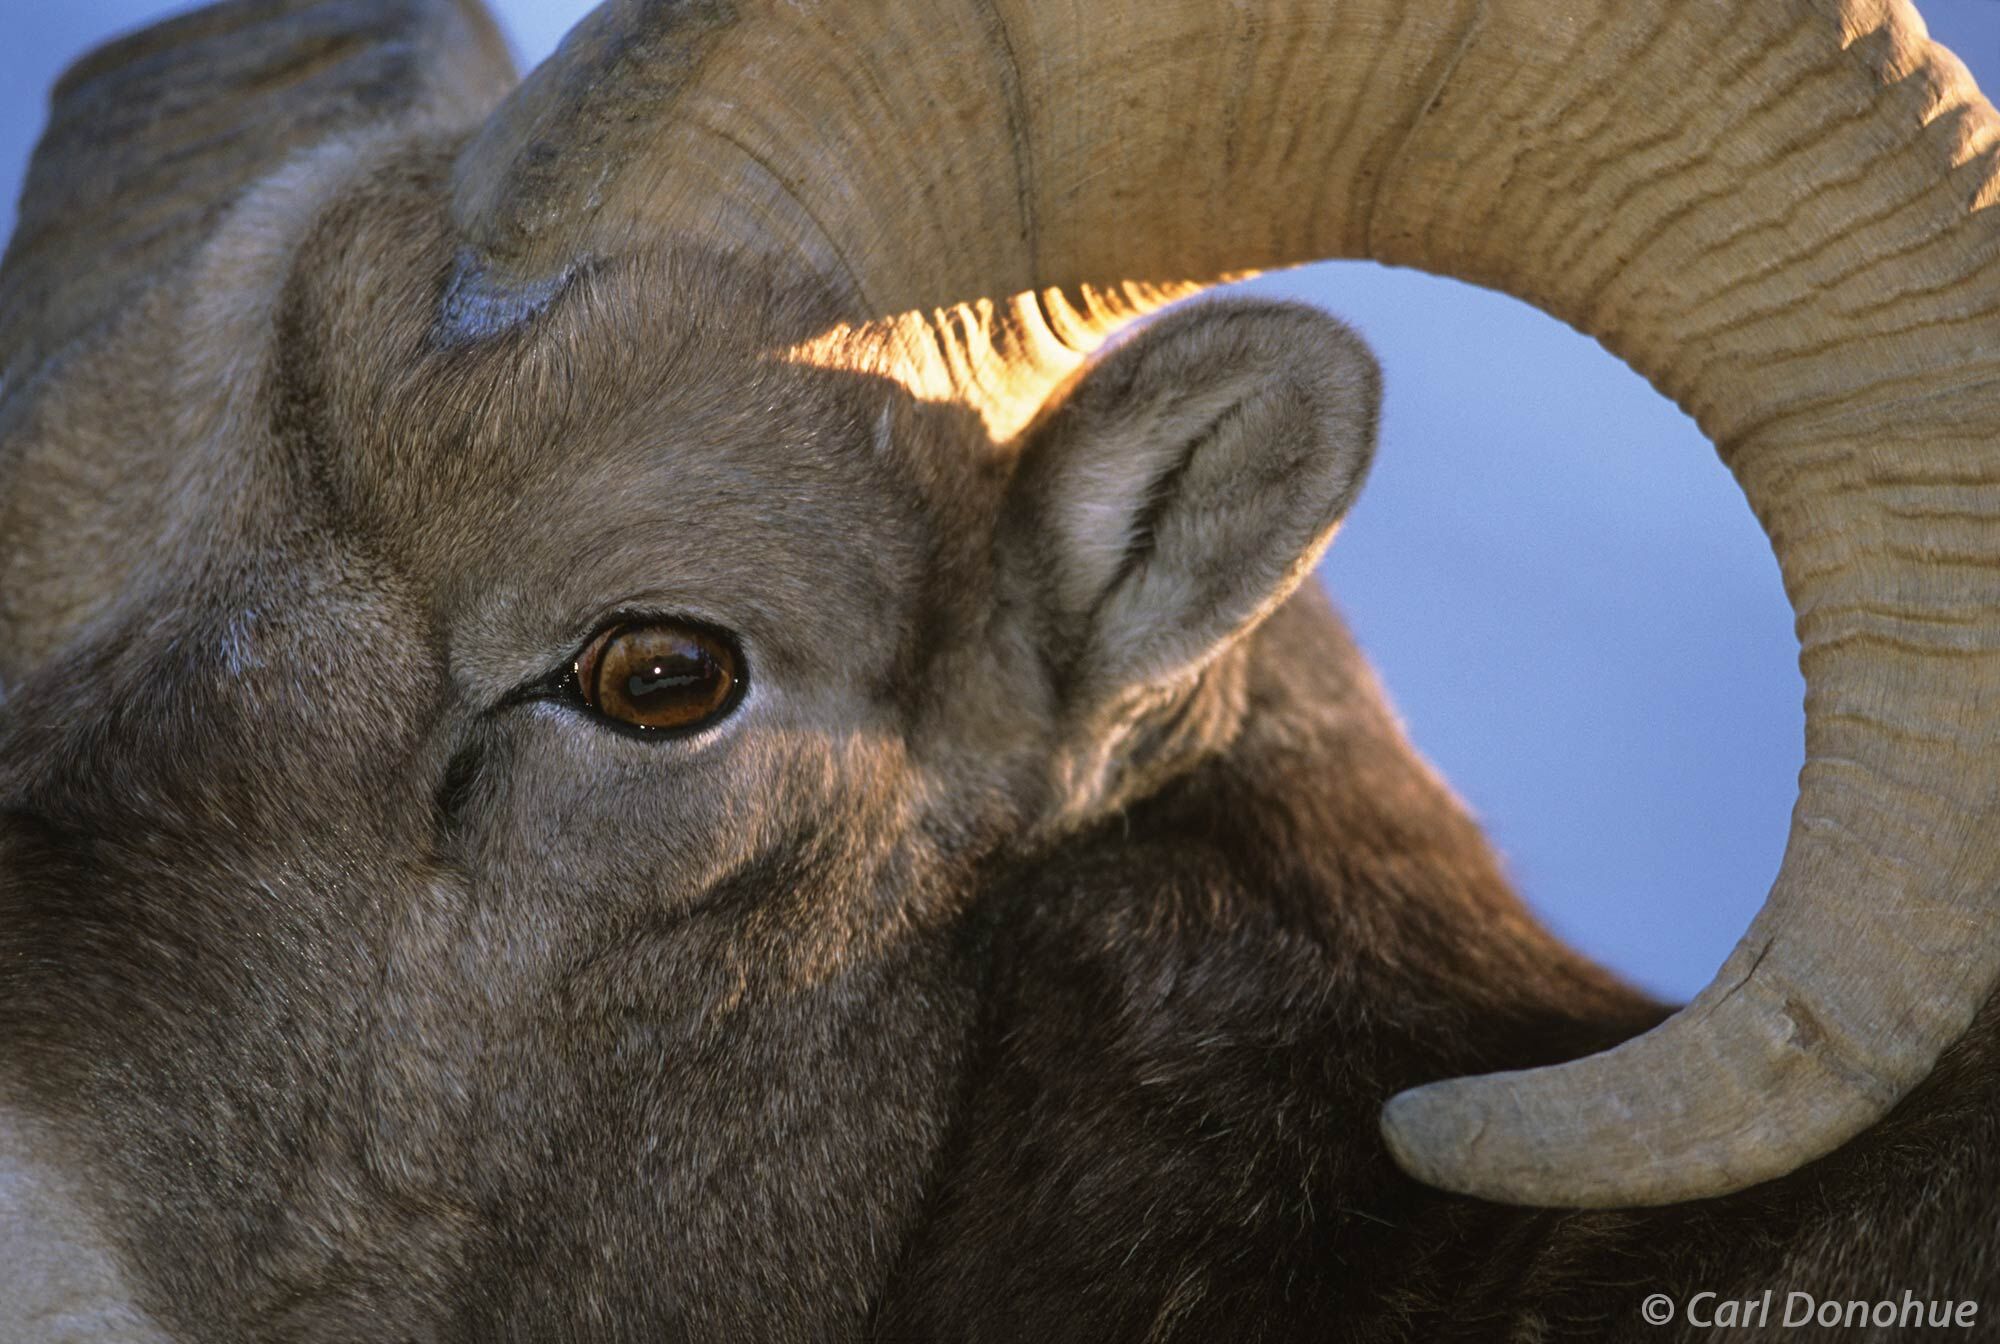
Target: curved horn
[(1779, 211), (152, 136)]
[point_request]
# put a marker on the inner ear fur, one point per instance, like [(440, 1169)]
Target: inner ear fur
[(1178, 488)]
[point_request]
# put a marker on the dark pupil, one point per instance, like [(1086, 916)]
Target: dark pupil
[(663, 680)]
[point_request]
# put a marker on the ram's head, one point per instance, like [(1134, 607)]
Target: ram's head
[(528, 610)]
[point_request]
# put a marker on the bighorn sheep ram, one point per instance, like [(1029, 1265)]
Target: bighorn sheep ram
[(621, 723)]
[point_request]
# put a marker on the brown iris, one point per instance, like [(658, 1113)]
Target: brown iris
[(658, 674)]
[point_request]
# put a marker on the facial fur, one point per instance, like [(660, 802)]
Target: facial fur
[(390, 987), (308, 1041)]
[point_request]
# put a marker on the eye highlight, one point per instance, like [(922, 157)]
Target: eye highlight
[(659, 675)]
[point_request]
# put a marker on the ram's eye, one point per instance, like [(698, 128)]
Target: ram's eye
[(659, 675)]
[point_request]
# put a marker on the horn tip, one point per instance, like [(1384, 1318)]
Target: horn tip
[(1462, 1135), (1429, 1133)]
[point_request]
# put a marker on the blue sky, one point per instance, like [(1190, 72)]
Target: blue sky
[(1563, 590)]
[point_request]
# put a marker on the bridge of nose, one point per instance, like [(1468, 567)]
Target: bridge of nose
[(210, 813), (299, 686)]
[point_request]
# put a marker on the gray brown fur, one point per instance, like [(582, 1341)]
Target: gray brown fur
[(1022, 961)]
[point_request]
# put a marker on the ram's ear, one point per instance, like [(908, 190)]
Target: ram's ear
[(1178, 489)]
